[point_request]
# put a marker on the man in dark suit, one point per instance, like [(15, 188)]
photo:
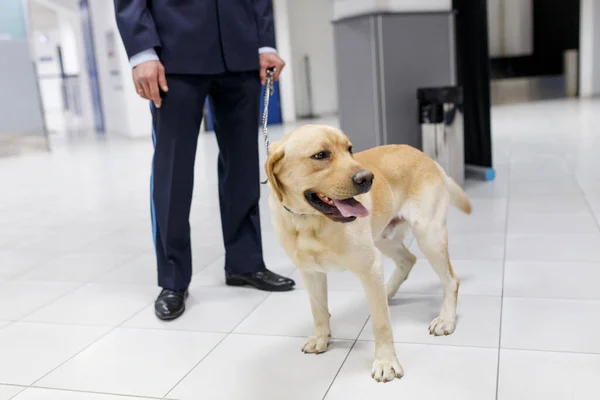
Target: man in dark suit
[(181, 51)]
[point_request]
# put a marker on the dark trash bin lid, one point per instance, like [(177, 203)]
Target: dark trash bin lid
[(441, 95)]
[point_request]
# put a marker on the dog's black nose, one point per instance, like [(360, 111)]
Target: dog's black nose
[(363, 179)]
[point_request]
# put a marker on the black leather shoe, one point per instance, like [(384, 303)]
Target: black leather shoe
[(262, 280), (170, 304)]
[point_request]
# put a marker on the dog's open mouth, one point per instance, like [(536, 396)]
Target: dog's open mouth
[(344, 210)]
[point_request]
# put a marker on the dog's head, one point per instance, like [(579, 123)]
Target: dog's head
[(312, 171)]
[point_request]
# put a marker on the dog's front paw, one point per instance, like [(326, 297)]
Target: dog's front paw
[(316, 344), (441, 326), (385, 370)]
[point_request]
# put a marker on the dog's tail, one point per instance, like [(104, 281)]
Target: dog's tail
[(458, 197)]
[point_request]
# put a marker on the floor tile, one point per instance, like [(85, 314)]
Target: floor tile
[(29, 351), (53, 394), (476, 277), (542, 224), (208, 236), (482, 246), (276, 260), (551, 325), (140, 270), (520, 189), (487, 216), (97, 304), (497, 189), (74, 268), (477, 322), (211, 275), (134, 362), (556, 168), (8, 392), (203, 256), (285, 372), (126, 241), (203, 215), (431, 373), (208, 309), (536, 375), (288, 314), (472, 225), (344, 280), (548, 205), (594, 203), (562, 247), (9, 239), (17, 262), (567, 280), (64, 239), (590, 187), (484, 207), (26, 297)]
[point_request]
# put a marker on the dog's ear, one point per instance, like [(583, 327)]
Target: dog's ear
[(276, 153)]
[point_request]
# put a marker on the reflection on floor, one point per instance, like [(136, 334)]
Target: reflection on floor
[(77, 282), (12, 144), (523, 90)]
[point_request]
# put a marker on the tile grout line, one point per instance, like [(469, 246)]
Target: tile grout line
[(87, 392), (553, 351), (585, 199), (217, 345), (346, 358), (113, 269), (583, 194), (23, 388), (109, 331), (78, 285), (14, 278), (503, 275)]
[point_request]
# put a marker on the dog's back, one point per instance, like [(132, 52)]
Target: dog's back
[(407, 173)]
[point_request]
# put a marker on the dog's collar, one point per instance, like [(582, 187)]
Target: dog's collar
[(292, 212)]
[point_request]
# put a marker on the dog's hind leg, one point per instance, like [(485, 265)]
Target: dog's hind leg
[(433, 242), (392, 246)]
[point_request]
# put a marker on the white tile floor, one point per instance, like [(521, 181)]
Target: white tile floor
[(77, 283)]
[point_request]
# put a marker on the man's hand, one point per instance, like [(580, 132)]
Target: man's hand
[(268, 60), (147, 78)]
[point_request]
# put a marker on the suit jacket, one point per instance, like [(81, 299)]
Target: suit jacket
[(198, 36)]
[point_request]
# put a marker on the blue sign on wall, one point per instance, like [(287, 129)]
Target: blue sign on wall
[(12, 20)]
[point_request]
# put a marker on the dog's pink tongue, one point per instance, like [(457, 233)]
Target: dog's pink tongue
[(351, 208)]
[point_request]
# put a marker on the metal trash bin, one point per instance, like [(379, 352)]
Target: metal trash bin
[(441, 119)]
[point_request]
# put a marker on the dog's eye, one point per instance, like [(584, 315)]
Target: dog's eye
[(322, 155), (350, 149)]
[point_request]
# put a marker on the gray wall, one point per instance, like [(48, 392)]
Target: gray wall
[(359, 81), (20, 107), (382, 60)]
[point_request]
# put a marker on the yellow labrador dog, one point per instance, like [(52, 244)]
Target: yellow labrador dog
[(333, 210)]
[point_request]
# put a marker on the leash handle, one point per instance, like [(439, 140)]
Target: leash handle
[(269, 87)]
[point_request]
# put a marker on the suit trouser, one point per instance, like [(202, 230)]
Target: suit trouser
[(234, 99)]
